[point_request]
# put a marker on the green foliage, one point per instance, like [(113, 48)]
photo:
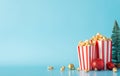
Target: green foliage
[(116, 43)]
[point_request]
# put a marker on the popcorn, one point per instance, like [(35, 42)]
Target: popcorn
[(86, 43), (98, 36), (110, 39), (81, 43)]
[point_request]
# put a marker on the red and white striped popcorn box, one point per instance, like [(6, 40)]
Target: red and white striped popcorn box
[(104, 49), (85, 56)]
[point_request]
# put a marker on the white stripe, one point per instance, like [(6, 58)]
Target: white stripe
[(109, 50), (105, 54), (84, 47), (89, 49), (91, 52), (81, 57), (100, 49)]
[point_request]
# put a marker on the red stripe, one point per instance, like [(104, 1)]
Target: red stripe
[(107, 51), (79, 57), (103, 51), (97, 49), (83, 58), (87, 56), (90, 57), (93, 52)]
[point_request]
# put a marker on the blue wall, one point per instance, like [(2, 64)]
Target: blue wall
[(46, 32)]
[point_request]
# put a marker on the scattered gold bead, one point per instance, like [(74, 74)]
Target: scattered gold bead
[(50, 67), (62, 68), (71, 66), (78, 69), (114, 69)]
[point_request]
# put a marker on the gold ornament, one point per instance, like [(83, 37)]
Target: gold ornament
[(114, 69), (78, 69), (50, 67), (62, 68), (71, 66)]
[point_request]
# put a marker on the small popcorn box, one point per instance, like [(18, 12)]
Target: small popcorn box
[(104, 51), (85, 56)]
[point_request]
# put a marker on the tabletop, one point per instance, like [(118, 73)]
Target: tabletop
[(42, 71)]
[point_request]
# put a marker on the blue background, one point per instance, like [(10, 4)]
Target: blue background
[(47, 32)]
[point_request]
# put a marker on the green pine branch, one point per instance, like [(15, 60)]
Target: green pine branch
[(116, 43)]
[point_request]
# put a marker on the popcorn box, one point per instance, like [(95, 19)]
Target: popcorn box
[(98, 46), (85, 56), (104, 51)]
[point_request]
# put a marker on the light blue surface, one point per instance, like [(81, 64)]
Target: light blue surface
[(46, 32), (42, 71)]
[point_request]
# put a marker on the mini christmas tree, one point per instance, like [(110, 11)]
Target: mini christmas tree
[(116, 43)]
